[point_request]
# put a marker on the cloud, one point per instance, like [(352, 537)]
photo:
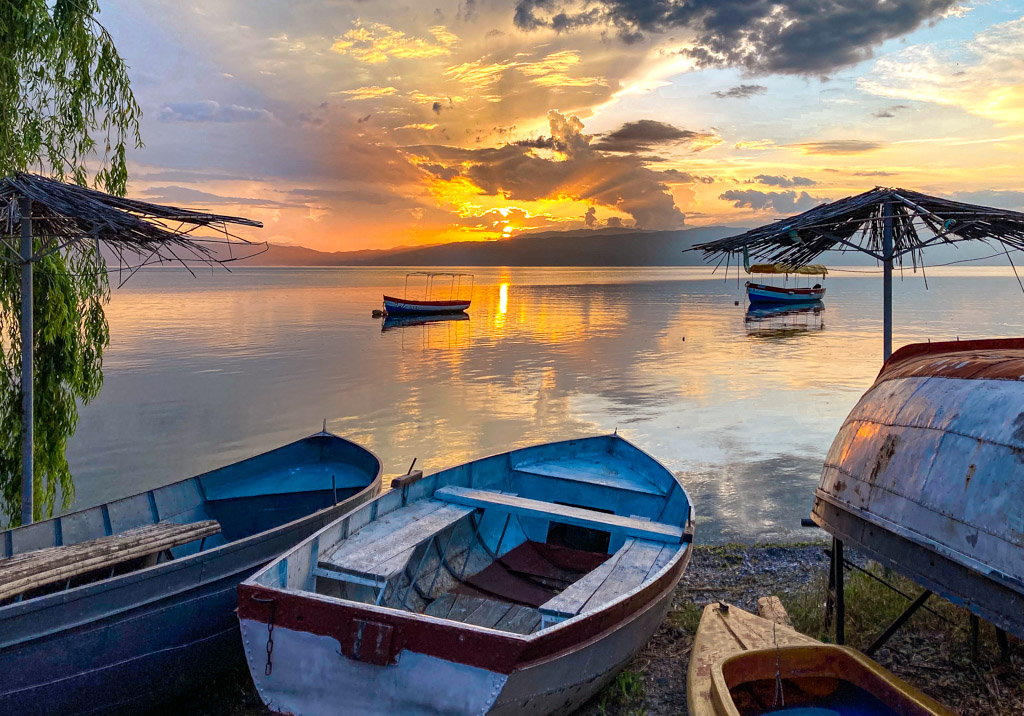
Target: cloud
[(590, 218), (781, 37), (674, 176), (982, 76), (210, 111), (741, 91), (998, 198), (757, 145), (376, 43), (889, 112), (782, 202), (551, 71), (185, 196), (838, 146), (645, 134), (772, 180), (517, 172), (372, 92)]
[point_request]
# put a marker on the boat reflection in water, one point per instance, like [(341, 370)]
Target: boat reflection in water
[(392, 322), (784, 320)]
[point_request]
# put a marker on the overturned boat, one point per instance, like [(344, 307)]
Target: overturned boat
[(926, 475), (113, 608), (519, 583), (743, 664)]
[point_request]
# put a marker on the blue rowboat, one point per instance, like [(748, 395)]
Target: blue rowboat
[(520, 583), (121, 643), (760, 293)]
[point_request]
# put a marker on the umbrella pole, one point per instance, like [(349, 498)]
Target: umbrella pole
[(887, 279), (27, 334)]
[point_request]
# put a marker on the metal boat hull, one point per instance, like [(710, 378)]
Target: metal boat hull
[(408, 307), (127, 643), (926, 477)]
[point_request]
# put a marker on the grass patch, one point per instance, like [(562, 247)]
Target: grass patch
[(624, 695), (686, 617)]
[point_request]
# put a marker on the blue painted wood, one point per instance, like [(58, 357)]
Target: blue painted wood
[(607, 473), (563, 514), (167, 627)]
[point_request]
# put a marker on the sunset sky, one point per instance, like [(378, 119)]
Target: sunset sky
[(349, 125)]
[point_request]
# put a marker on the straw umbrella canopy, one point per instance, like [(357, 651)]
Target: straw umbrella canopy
[(888, 224), (49, 216)]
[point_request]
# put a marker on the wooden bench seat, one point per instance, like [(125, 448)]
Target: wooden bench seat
[(563, 514), (381, 550), (626, 569), (490, 613), (617, 476), (41, 567)]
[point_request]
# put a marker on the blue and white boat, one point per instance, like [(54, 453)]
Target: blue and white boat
[(520, 583), (122, 638), (769, 294)]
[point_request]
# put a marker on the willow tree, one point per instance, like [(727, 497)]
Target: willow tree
[(66, 109)]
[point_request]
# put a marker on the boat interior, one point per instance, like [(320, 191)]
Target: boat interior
[(810, 680), (187, 517), (517, 542)]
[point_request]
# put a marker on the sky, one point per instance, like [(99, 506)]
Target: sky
[(348, 125)]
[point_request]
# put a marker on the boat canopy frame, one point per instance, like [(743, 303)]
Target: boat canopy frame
[(454, 289)]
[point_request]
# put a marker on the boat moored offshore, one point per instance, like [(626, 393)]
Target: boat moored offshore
[(765, 293), (515, 584), (456, 302)]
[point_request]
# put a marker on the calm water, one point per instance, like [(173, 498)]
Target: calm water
[(202, 372)]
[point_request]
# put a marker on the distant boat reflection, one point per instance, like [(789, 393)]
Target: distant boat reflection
[(785, 320), (392, 322)]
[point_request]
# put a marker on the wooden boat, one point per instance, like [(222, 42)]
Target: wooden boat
[(519, 583), (427, 305), (763, 293), (134, 600), (747, 665), (392, 322), (925, 475)]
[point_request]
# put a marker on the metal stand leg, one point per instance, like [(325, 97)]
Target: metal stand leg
[(1004, 644), (900, 621), (975, 628), (837, 565)]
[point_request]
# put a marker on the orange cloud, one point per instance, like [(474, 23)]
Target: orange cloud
[(376, 43)]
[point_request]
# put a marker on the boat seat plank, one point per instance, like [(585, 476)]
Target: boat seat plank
[(607, 473), (623, 571), (38, 568), (489, 613), (382, 559), (521, 619), (564, 514), (381, 528)]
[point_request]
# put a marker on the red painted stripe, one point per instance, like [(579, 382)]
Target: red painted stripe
[(452, 641), (413, 302), (984, 359)]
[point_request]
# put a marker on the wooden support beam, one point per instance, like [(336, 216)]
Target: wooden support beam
[(900, 621)]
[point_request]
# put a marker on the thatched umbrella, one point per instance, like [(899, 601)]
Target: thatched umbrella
[(886, 224), (65, 217)]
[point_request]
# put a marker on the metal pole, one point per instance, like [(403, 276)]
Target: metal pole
[(27, 334), (887, 279)]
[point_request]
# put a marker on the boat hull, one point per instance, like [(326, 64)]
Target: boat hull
[(925, 474), (759, 294), (409, 307), (128, 643)]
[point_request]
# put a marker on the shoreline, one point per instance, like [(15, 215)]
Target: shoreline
[(928, 652)]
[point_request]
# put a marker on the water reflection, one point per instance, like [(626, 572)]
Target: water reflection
[(203, 372), (390, 322), (785, 321)]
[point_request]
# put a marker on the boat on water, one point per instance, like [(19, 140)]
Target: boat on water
[(392, 322), (742, 664), (113, 608), (518, 583), (766, 293), (783, 320), (456, 301), (925, 475)]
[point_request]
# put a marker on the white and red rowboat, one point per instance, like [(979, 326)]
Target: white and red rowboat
[(516, 584), (455, 303)]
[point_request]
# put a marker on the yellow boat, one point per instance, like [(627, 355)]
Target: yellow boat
[(747, 665)]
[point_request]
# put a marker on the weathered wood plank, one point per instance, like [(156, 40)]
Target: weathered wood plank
[(562, 514), (441, 606), (771, 608), (520, 620), (619, 477), (570, 601), (489, 613), (381, 528), (629, 572), (45, 566)]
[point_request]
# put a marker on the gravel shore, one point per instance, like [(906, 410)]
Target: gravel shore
[(936, 659)]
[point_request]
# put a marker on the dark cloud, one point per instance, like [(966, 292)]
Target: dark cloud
[(359, 196), (761, 36), (875, 173), (643, 135), (889, 112), (590, 218), (210, 111), (772, 180), (838, 146), (741, 91), (783, 202), (187, 175), (614, 221), (515, 171), (441, 171), (675, 176), (365, 118), (185, 196)]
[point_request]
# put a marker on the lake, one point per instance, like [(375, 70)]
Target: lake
[(208, 370)]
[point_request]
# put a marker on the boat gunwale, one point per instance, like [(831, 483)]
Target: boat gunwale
[(429, 303), (677, 565), (911, 351), (919, 699), (84, 591)]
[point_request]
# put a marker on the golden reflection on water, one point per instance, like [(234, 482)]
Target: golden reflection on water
[(204, 372)]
